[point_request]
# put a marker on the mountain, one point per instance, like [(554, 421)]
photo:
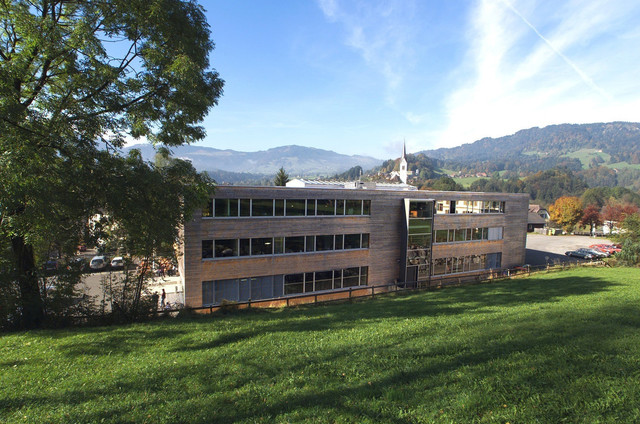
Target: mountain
[(296, 160), (618, 141)]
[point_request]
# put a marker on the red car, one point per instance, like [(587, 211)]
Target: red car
[(607, 248)]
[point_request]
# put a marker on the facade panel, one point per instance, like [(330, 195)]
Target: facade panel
[(327, 221)]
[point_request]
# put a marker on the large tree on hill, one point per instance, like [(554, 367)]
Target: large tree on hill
[(77, 79)]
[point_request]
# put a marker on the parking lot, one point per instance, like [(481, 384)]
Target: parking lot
[(543, 249)]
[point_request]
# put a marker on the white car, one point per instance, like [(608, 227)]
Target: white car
[(117, 262), (99, 263)]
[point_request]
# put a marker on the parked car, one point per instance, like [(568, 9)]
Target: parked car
[(596, 253), (99, 263), (609, 248), (579, 254), (117, 263)]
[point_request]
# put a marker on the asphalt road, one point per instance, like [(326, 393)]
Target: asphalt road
[(550, 249)]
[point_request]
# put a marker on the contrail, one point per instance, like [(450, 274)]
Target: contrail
[(568, 61)]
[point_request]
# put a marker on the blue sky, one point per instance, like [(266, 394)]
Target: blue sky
[(359, 77)]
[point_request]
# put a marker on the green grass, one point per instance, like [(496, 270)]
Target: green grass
[(623, 165), (560, 347), (586, 155)]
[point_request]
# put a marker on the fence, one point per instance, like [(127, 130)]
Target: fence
[(359, 292)]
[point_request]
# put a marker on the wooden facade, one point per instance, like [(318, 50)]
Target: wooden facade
[(386, 226)]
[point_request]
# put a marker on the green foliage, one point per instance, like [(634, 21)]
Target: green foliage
[(77, 79), (630, 239), (281, 179), (547, 186), (352, 174), (444, 183), (521, 351)]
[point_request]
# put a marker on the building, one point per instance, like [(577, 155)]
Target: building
[(269, 242)]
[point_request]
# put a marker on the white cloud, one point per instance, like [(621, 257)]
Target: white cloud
[(380, 32), (526, 67)]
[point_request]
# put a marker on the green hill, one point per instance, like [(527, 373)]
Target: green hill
[(561, 347)]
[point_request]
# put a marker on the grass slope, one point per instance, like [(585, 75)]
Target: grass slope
[(561, 347)]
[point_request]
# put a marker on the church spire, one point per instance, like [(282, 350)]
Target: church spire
[(403, 163)]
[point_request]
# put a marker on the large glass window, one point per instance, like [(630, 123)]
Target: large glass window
[(326, 207), (354, 207), (420, 241), (442, 236), (294, 244), (262, 207), (420, 210), (226, 247), (295, 207), (339, 241), (352, 241), (293, 283), (351, 277), (226, 208), (324, 243), (324, 280), (337, 279), (262, 246), (278, 245), (311, 207), (339, 207)]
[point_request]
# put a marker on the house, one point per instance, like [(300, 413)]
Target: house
[(318, 237), (540, 211), (535, 221)]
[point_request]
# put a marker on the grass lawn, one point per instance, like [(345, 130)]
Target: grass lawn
[(559, 347)]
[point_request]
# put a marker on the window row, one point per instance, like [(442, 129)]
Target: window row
[(442, 266), (469, 206), (273, 286), (227, 208), (226, 248), (468, 234)]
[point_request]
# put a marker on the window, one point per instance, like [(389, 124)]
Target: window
[(311, 207), (311, 244), (365, 241), (324, 243), (354, 207), (442, 236), (278, 245), (262, 246), (352, 241), (294, 244), (226, 208), (326, 207), (293, 283), (279, 207), (245, 207), (420, 209), (366, 207), (207, 249), (339, 207), (226, 248), (245, 247), (262, 207), (339, 241), (351, 277), (295, 207), (460, 235), (324, 280)]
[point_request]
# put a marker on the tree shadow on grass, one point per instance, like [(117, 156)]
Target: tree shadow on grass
[(475, 299), (552, 359)]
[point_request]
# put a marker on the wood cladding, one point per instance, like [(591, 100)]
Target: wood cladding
[(385, 225)]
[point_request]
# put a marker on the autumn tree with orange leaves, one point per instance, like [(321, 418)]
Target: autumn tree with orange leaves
[(566, 212)]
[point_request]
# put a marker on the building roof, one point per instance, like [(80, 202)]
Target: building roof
[(534, 218), (302, 183)]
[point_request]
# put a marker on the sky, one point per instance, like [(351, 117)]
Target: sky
[(362, 77)]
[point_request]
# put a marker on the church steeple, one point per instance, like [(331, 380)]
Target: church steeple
[(403, 163)]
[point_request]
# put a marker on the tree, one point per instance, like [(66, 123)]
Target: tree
[(566, 211), (630, 240), (281, 178), (77, 79), (591, 217)]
